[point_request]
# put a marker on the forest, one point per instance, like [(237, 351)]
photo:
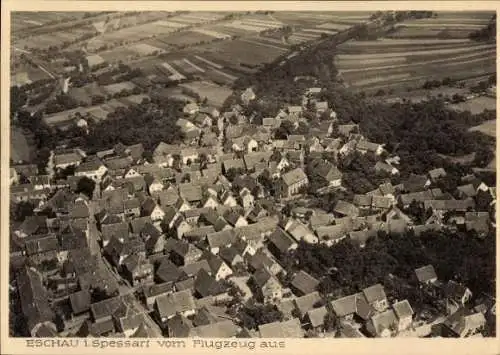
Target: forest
[(345, 268)]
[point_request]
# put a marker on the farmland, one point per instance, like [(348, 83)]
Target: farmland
[(416, 51), (215, 94), (478, 105), (20, 149)]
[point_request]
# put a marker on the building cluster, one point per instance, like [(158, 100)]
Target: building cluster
[(164, 247)]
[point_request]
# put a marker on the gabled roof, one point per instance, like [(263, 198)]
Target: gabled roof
[(169, 272), (222, 238), (346, 208), (304, 282), (282, 240), (374, 293), (307, 302), (426, 273), (222, 329), (294, 176), (383, 321), (286, 329), (403, 309), (206, 285), (317, 316), (177, 302)]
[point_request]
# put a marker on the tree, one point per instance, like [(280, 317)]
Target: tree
[(86, 186), (252, 315)]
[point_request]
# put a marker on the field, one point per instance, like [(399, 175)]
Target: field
[(116, 88), (20, 149), (215, 94), (443, 25), (489, 128), (63, 120), (404, 63), (21, 21), (478, 105)]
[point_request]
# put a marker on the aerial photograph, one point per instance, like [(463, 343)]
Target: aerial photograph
[(252, 174)]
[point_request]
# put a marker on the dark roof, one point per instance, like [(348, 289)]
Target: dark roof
[(206, 285), (282, 240), (80, 301), (169, 272), (33, 296), (304, 282)]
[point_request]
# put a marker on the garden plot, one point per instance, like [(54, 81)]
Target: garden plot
[(210, 33), (478, 105), (174, 74), (209, 62), (185, 38), (113, 89), (144, 49), (215, 94)]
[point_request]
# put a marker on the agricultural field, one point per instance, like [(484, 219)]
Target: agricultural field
[(478, 105), (489, 128), (215, 94), (442, 25), (402, 64), (21, 21), (185, 38), (44, 41), (113, 89)]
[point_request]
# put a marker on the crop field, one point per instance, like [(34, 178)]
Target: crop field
[(21, 20), (215, 94), (241, 52), (44, 41), (116, 88), (478, 105), (185, 38), (442, 25), (410, 62), (144, 49)]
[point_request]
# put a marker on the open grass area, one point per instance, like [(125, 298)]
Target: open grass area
[(478, 105), (215, 94), (20, 149)]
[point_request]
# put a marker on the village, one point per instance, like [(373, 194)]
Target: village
[(194, 242)]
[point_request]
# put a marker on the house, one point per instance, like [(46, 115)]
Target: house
[(292, 182), (168, 272), (191, 108), (152, 291), (34, 301), (220, 329), (219, 269), (266, 285), (168, 305), (441, 206), (316, 317), (230, 255), (404, 314), (376, 297), (247, 96), (346, 129), (346, 209), (93, 169), (246, 199), (463, 324), (352, 307), (80, 302), (235, 219), (386, 168), (363, 146), (321, 106), (211, 111), (64, 160), (298, 231), (184, 253), (40, 182), (326, 171), (294, 110), (192, 269), (457, 293), (137, 269), (287, 329), (383, 324), (151, 209), (426, 274), (206, 285), (281, 243), (303, 283), (244, 144), (306, 303), (261, 259), (436, 174), (219, 239)]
